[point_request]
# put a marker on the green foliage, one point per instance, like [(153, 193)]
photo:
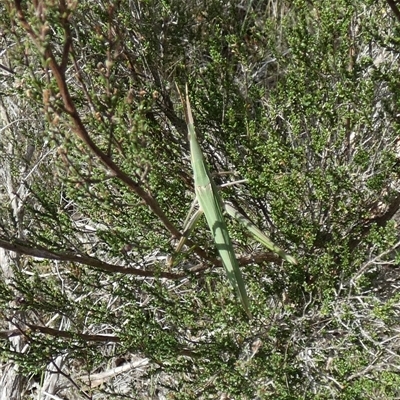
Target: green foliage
[(299, 99)]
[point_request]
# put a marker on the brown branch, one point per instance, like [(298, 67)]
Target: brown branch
[(6, 69), (388, 215), (57, 333), (395, 9), (67, 47), (25, 23), (40, 252), (23, 248), (380, 220), (29, 328)]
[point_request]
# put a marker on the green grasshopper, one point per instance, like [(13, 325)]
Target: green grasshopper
[(211, 205)]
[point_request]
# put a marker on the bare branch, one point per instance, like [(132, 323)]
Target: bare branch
[(23, 248), (57, 333), (395, 9)]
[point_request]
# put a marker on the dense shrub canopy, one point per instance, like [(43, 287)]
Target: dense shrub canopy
[(296, 109)]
